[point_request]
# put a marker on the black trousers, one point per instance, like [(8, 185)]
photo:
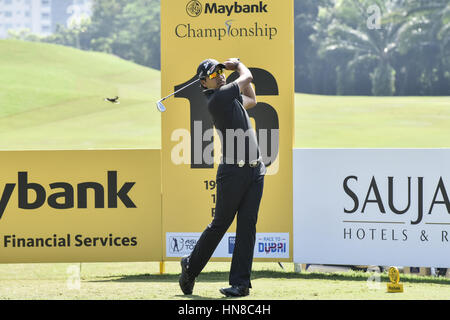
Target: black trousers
[(239, 190)]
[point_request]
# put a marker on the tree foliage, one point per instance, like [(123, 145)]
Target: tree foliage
[(345, 47), (128, 29), (381, 47)]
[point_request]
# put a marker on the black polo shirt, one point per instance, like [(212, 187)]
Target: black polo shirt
[(232, 124)]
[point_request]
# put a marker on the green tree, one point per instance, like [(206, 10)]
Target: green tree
[(402, 45), (129, 29), (76, 36), (370, 37), (306, 16), (425, 48)]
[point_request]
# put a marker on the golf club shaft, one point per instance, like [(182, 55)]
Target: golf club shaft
[(189, 84)]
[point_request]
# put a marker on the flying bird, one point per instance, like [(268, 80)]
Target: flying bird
[(113, 100)]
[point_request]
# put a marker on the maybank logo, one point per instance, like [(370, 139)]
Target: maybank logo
[(194, 8), (62, 194)]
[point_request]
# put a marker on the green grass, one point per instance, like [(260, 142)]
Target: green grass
[(51, 97), (371, 122), (143, 281)]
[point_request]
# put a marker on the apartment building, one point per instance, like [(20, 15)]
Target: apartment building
[(40, 16)]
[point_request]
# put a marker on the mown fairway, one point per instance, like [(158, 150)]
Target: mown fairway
[(371, 122), (143, 281), (51, 97)]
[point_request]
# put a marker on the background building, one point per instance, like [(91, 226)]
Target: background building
[(40, 16)]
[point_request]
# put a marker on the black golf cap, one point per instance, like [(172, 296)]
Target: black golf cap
[(207, 67)]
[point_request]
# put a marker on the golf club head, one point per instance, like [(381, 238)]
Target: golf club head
[(160, 106), (159, 103)]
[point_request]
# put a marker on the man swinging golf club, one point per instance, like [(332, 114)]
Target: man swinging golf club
[(239, 180)]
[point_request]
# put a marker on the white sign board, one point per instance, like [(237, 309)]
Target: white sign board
[(267, 245), (372, 207)]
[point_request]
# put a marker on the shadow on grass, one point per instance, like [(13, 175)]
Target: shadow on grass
[(219, 276), (197, 297)]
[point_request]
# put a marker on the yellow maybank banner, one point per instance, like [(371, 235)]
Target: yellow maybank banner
[(80, 206), (261, 34)]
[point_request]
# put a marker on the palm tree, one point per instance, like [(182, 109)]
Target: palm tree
[(428, 33), (380, 46)]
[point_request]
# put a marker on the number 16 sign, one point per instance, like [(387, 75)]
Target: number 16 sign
[(190, 144)]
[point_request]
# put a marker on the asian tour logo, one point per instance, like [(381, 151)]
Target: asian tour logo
[(180, 244)]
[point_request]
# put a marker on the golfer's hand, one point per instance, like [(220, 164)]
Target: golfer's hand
[(231, 64)]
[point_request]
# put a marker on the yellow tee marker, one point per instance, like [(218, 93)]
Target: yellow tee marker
[(394, 277)]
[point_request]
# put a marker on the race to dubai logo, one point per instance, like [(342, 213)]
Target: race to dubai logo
[(194, 8)]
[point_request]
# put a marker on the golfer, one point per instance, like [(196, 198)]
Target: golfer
[(239, 180)]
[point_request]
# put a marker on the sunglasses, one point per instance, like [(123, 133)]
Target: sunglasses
[(215, 74)]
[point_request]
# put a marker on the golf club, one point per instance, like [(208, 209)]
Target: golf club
[(159, 103)]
